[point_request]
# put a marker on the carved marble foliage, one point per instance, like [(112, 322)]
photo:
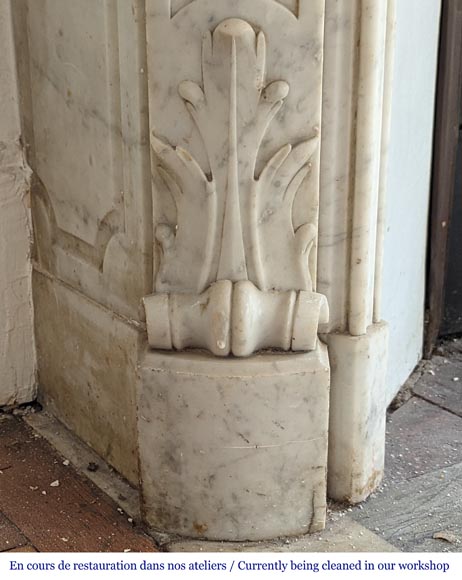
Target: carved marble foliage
[(244, 229), (237, 178)]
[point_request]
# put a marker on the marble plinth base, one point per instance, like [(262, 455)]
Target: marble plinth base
[(234, 449), (357, 413)]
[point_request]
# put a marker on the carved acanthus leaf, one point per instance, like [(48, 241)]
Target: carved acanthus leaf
[(234, 274), (195, 198), (245, 222), (281, 261)]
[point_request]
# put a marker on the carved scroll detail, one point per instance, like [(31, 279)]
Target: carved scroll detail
[(233, 225), (235, 319)]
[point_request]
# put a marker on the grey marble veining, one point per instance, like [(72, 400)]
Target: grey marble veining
[(234, 449)]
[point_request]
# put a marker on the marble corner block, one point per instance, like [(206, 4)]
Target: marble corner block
[(234, 392), (357, 413), (234, 449)]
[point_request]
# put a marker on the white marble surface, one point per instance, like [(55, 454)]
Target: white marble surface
[(235, 137), (74, 66), (357, 413), (241, 444), (88, 131), (90, 99), (234, 449), (337, 175), (351, 160), (235, 319), (367, 164)]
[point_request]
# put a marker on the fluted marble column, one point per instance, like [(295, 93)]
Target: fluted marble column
[(356, 109)]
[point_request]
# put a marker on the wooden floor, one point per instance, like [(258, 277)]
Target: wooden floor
[(46, 506)]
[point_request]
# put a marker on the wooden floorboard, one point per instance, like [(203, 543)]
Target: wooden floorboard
[(52, 505)]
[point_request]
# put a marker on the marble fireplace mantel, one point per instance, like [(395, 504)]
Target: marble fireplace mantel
[(208, 195)]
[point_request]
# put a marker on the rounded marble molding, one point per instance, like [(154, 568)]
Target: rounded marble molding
[(235, 319)]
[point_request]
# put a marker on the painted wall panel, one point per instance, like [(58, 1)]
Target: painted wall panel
[(416, 50)]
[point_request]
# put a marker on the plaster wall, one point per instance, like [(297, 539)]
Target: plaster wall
[(17, 349), (408, 193)]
